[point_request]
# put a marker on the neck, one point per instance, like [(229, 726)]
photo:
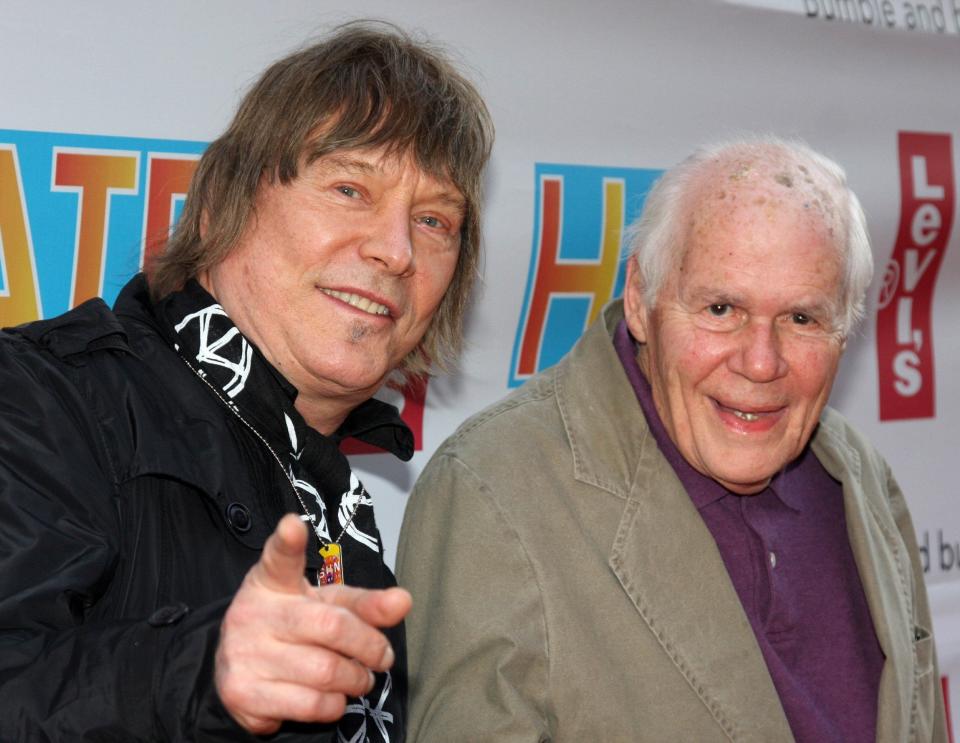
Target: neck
[(325, 415)]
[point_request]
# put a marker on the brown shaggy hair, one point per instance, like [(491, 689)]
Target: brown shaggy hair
[(368, 84)]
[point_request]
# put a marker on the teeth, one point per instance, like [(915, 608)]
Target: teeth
[(355, 300), (745, 416)]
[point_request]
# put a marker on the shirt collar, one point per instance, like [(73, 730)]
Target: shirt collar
[(789, 485)]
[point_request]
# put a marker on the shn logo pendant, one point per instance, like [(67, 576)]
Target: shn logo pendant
[(332, 570)]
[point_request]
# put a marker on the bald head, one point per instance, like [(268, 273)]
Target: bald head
[(721, 186)]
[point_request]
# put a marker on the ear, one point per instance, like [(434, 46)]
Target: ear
[(634, 305)]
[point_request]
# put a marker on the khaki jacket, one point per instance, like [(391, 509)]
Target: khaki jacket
[(566, 589)]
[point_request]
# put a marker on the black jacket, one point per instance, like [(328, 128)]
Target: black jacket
[(131, 506)]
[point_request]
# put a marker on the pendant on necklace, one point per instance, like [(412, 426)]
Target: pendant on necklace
[(332, 570)]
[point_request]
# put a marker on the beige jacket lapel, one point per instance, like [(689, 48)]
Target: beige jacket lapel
[(879, 554), (663, 555), (667, 562)]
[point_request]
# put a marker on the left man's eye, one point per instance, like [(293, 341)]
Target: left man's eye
[(720, 310), (431, 222), (799, 318), (349, 191)]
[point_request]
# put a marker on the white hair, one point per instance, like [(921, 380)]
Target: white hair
[(656, 238)]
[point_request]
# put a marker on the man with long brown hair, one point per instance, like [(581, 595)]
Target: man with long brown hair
[(150, 586)]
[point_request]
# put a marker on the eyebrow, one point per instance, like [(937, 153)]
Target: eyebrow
[(333, 161), (456, 202), (710, 295), (330, 162)]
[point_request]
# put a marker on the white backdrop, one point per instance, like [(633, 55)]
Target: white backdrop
[(587, 90)]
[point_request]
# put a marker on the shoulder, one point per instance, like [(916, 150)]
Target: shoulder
[(90, 347), (61, 460), (837, 438), (86, 334), (849, 456), (522, 421), (74, 332), (87, 365), (47, 355)]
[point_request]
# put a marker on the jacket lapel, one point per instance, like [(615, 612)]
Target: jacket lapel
[(668, 564), (663, 555), (879, 554)]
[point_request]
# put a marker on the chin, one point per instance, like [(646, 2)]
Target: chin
[(347, 377), (362, 381), (742, 489), (745, 482)]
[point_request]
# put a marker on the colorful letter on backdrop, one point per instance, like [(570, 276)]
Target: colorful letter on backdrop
[(575, 266), (19, 289), (95, 176), (169, 177)]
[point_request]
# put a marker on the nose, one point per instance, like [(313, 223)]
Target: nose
[(390, 243), (759, 355)]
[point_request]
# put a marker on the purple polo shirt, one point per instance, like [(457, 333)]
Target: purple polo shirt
[(789, 559)]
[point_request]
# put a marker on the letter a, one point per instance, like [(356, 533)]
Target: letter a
[(19, 289)]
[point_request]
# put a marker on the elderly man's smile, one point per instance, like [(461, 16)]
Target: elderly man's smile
[(749, 418)]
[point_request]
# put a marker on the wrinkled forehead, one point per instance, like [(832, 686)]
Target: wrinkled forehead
[(737, 194), (776, 180), (760, 216), (403, 148), (398, 160)]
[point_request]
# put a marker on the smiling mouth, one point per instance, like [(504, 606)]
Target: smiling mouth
[(361, 303), (748, 416)]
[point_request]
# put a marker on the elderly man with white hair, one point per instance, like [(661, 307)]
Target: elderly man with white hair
[(668, 536)]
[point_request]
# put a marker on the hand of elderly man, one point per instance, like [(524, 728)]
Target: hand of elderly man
[(290, 651)]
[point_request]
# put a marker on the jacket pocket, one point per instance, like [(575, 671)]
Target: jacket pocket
[(922, 650), (925, 687)]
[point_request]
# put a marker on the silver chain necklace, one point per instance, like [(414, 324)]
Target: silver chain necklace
[(332, 572)]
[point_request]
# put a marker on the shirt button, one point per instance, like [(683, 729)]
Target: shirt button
[(168, 615), (238, 517), (773, 559)]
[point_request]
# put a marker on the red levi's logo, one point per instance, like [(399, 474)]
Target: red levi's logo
[(904, 327)]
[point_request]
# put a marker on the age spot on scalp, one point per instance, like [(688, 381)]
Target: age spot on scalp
[(784, 179)]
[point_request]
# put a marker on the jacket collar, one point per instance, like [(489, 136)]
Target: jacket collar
[(374, 422), (606, 444)]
